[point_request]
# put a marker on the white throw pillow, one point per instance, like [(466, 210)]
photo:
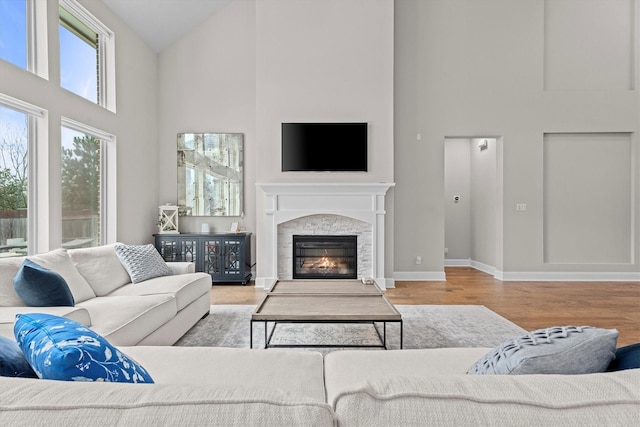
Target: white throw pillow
[(142, 262), (562, 350), (101, 267), (60, 262)]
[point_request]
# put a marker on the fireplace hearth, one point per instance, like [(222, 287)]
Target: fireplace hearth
[(324, 257)]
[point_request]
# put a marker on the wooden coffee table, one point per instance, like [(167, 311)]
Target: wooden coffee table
[(320, 301)]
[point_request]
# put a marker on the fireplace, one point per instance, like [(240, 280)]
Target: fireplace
[(288, 209), (324, 257)]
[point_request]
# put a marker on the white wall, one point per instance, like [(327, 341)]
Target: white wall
[(457, 182), (256, 64), (499, 67), (207, 83), (134, 123)]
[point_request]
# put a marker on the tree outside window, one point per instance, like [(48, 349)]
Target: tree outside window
[(81, 184), (14, 170)]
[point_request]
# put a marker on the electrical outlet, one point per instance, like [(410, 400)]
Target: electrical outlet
[(521, 207), (446, 250), (418, 260)]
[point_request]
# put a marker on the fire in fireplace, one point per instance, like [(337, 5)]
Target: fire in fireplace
[(324, 257)]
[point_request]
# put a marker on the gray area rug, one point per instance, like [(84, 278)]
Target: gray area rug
[(425, 326)]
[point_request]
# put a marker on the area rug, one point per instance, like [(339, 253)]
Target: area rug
[(425, 326)]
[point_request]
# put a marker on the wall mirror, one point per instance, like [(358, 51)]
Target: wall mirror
[(210, 174)]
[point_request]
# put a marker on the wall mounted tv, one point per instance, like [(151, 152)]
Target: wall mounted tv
[(316, 147)]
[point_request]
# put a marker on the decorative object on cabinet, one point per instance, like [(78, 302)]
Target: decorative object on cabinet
[(168, 219), (225, 256), (210, 174)]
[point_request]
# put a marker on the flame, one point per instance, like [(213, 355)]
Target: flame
[(326, 263)]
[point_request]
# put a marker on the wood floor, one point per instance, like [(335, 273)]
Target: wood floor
[(531, 305)]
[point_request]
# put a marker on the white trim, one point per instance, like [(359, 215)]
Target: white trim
[(563, 276), (21, 106), (37, 38), (421, 276), (86, 17), (486, 268), (81, 127)]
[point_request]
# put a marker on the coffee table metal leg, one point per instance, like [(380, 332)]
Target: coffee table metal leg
[(251, 334)]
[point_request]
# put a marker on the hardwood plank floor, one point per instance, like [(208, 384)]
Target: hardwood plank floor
[(531, 305)]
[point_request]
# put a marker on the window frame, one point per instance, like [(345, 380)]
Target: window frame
[(108, 197), (37, 172), (105, 48)]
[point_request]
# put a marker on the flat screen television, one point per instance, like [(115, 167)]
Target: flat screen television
[(332, 147)]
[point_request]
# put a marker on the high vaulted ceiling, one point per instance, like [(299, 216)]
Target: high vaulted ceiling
[(162, 22)]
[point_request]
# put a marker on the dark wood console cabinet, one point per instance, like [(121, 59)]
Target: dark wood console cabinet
[(225, 256)]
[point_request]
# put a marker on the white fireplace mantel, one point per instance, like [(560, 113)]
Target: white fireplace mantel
[(284, 202)]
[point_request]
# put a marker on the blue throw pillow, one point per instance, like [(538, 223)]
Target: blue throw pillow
[(12, 360), (627, 357), (40, 287), (58, 348)]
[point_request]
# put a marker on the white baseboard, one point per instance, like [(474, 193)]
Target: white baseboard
[(565, 276), (523, 276), (265, 282)]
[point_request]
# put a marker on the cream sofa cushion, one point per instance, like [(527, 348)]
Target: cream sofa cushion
[(8, 269), (101, 267), (297, 372), (457, 400), (43, 402), (185, 287), (127, 320)]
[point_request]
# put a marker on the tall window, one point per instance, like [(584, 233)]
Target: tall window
[(86, 55), (81, 189), (79, 66), (13, 32), (19, 122), (14, 169)]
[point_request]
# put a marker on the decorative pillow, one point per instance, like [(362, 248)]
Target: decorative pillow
[(12, 360), (557, 350), (58, 348), (142, 262), (59, 261), (627, 357), (41, 287)]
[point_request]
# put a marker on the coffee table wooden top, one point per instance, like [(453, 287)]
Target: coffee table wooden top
[(326, 308), (324, 287)]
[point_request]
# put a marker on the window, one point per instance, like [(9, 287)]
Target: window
[(18, 124), (85, 195), (23, 34), (86, 55), (13, 32)]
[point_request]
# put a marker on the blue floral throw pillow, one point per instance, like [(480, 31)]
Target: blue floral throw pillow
[(58, 348)]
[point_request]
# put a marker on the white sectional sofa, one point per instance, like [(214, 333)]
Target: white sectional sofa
[(157, 311), (244, 387), (247, 387)]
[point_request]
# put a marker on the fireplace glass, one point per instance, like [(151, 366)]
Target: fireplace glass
[(324, 257)]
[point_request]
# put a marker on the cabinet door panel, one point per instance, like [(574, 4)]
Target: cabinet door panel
[(212, 256)]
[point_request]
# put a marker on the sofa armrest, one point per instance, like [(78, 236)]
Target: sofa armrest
[(182, 267)]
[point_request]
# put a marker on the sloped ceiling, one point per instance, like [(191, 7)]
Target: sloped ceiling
[(161, 22)]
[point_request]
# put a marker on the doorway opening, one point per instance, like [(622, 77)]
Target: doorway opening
[(473, 202)]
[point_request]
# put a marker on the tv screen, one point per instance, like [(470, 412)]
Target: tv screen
[(335, 147)]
